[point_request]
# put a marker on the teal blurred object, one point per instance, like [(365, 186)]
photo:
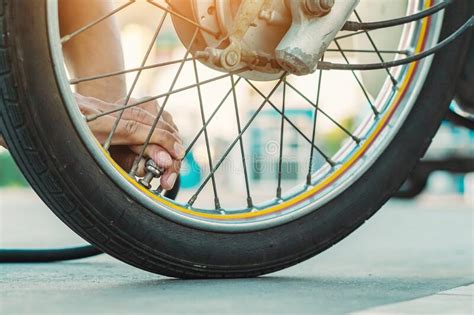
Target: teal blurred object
[(191, 172), (10, 175)]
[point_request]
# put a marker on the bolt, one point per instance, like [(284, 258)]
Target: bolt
[(232, 58), (326, 4), (319, 7)]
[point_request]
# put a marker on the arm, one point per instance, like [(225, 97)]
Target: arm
[(98, 50)]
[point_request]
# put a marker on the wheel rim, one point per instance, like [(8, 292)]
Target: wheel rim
[(327, 182)]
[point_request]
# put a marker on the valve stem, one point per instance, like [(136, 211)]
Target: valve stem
[(153, 171)]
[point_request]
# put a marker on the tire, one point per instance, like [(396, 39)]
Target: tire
[(54, 164), (464, 91)]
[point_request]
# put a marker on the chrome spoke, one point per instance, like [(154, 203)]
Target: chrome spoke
[(371, 40), (337, 38), (282, 131), (216, 110), (316, 106), (135, 81), (327, 158), (241, 142), (153, 98), (157, 118), (229, 149), (361, 85), (206, 137), (68, 37), (178, 15), (116, 73), (315, 120)]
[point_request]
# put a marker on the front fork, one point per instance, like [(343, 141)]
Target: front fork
[(314, 26)]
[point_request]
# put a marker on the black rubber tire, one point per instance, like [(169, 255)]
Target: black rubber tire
[(464, 90), (118, 225)]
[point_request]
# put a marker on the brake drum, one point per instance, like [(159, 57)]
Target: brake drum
[(216, 20)]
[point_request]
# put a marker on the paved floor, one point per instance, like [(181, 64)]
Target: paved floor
[(451, 302), (408, 251)]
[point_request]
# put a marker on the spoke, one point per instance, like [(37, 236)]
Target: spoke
[(282, 130), (394, 81), (316, 106), (157, 118), (315, 120), (366, 94), (367, 51), (211, 117), (135, 81), (330, 162), (229, 149), (68, 37), (153, 98), (116, 73), (178, 15), (349, 35), (206, 137), (241, 141)]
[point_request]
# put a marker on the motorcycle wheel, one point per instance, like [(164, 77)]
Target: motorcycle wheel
[(104, 205)]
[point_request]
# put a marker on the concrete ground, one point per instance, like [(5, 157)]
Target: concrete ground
[(411, 258)]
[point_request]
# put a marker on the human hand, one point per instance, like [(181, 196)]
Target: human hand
[(165, 147)]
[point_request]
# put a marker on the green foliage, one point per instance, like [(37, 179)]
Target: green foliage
[(10, 175), (334, 139)]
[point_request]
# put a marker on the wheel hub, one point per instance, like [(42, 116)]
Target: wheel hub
[(265, 36), (217, 50)]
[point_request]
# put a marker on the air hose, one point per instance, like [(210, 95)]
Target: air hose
[(47, 255)]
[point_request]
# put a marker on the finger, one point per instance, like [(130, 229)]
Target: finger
[(85, 105), (146, 113), (101, 128), (159, 155), (125, 157), (146, 118), (136, 112), (132, 132), (149, 106), (168, 179), (169, 119), (153, 108)]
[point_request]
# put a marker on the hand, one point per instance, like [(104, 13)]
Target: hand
[(165, 146)]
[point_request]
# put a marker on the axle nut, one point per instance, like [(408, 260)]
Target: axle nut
[(319, 7), (230, 59)]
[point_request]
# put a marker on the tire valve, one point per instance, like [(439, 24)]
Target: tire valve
[(152, 171)]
